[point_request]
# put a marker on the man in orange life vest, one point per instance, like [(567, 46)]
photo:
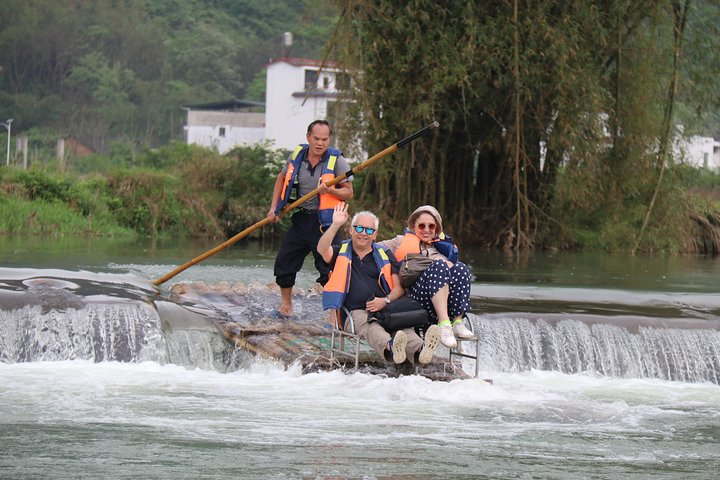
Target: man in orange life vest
[(365, 280), (310, 166)]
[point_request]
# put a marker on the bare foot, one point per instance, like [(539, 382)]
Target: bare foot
[(286, 310)]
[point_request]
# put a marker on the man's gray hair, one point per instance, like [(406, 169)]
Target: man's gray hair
[(369, 214)]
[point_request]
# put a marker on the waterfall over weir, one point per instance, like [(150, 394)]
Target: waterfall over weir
[(513, 344), (120, 332), (53, 315), (104, 332)]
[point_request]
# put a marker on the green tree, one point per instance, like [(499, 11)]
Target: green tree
[(549, 112), (111, 70)]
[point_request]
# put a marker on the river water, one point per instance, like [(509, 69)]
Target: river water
[(603, 366)]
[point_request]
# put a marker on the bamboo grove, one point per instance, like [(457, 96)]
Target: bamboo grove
[(556, 118)]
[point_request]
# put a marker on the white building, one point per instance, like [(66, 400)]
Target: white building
[(224, 125), (298, 91), (703, 152)]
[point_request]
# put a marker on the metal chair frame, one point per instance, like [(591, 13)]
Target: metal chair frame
[(338, 337), (457, 351)]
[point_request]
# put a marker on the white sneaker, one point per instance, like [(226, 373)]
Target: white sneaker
[(432, 339), (447, 337), (398, 346), (461, 331)]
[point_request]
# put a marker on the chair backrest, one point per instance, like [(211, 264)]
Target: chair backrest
[(336, 319), (342, 320)]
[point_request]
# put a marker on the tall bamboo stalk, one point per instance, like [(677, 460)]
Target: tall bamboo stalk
[(680, 14)]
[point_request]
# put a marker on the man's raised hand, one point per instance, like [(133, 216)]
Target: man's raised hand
[(340, 214)]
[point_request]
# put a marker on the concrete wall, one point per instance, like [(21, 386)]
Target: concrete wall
[(224, 130)]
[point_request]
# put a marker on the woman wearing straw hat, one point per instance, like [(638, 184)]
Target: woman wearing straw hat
[(443, 289)]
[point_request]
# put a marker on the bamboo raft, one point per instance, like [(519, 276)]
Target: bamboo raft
[(247, 325)]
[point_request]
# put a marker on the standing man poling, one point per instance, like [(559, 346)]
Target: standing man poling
[(310, 166)]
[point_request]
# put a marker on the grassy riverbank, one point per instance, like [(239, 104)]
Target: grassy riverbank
[(178, 190)]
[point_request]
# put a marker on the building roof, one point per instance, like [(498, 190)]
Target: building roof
[(302, 62), (316, 93), (225, 105)]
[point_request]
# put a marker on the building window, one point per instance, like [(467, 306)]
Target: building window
[(221, 132), (706, 159), (326, 82), (311, 79)]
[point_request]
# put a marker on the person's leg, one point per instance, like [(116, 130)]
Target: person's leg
[(372, 332), (440, 303), (432, 280), (288, 262), (459, 298), (285, 307), (414, 344), (432, 291)]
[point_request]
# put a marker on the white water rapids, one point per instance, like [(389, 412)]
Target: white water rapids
[(79, 419), (578, 392)]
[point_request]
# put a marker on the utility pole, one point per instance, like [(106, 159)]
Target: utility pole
[(7, 125)]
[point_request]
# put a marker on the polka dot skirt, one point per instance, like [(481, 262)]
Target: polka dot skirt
[(434, 278)]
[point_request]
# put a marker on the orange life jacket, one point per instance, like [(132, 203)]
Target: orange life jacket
[(411, 244), (339, 283), (327, 200)]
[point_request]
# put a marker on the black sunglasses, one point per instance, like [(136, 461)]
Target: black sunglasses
[(368, 230)]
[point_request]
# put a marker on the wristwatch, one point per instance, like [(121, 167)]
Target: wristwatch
[(387, 299)]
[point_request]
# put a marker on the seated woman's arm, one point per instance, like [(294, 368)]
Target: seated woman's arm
[(391, 244)]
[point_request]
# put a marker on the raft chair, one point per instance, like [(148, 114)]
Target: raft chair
[(344, 341), (458, 351)]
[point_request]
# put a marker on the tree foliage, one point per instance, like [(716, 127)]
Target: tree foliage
[(550, 112), (109, 70)]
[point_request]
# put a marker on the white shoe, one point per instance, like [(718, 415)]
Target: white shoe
[(398, 347), (461, 331), (447, 337), (432, 339)]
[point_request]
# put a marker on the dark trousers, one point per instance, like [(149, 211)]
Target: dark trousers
[(302, 238)]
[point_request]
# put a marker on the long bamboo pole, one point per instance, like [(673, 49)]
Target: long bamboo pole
[(299, 201)]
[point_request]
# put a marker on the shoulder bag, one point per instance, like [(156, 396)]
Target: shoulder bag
[(412, 267), (405, 312)]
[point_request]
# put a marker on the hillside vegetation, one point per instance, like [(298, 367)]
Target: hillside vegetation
[(119, 71)]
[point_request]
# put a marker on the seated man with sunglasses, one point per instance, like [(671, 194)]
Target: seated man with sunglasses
[(443, 289), (365, 279)]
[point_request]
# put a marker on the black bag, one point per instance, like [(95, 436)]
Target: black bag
[(412, 267), (405, 312)]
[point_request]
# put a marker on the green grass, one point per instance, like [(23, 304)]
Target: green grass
[(18, 216)]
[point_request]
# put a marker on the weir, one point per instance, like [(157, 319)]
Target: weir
[(53, 319), (516, 344), (173, 334)]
